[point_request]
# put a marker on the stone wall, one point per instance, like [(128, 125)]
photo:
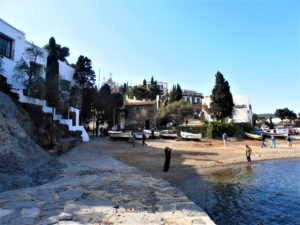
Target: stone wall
[(138, 115)]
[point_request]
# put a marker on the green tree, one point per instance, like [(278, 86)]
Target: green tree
[(174, 112), (176, 93), (52, 81), (61, 52), (254, 118), (85, 80), (145, 82), (271, 123), (140, 92), (222, 101), (29, 72), (285, 114)]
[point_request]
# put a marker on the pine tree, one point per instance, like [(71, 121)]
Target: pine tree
[(145, 82), (178, 95), (222, 101)]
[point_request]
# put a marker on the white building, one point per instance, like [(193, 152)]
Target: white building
[(191, 96), (12, 47), (242, 111)]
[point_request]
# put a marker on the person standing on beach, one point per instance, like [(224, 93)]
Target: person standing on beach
[(263, 139), (289, 141), (225, 139), (248, 153), (143, 138), (167, 159), (133, 139), (273, 142)]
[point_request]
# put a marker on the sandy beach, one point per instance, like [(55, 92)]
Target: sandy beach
[(191, 158)]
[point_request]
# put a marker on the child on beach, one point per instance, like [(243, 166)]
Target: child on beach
[(248, 153), (273, 142), (289, 141)]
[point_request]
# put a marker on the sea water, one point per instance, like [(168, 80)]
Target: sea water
[(265, 192)]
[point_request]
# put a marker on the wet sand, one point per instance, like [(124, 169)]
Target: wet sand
[(188, 157)]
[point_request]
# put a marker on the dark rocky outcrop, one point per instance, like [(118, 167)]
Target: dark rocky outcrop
[(23, 163)]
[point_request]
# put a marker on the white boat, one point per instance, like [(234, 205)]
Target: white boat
[(276, 134), (119, 134), (190, 136), (168, 134), (156, 133), (139, 135)]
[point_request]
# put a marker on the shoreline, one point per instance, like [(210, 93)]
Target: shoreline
[(191, 158)]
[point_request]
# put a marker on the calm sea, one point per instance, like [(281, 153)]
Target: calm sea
[(263, 193)]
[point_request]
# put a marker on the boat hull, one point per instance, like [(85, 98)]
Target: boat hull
[(285, 134), (253, 136), (190, 136), (119, 134)]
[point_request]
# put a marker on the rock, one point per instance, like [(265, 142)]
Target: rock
[(71, 194), (4, 212), (23, 163), (31, 212)]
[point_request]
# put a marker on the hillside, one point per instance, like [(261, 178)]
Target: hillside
[(23, 163)]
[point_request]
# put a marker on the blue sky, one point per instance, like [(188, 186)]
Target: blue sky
[(254, 44)]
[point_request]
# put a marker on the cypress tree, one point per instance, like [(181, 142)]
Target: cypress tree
[(222, 101), (52, 81)]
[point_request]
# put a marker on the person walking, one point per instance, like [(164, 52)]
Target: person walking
[(225, 139), (248, 153), (263, 139), (152, 132), (289, 141), (133, 139), (167, 159), (143, 139), (273, 142)]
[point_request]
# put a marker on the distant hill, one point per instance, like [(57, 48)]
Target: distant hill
[(266, 115)]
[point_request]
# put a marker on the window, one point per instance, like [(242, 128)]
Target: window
[(137, 114), (198, 100), (188, 99), (144, 113), (193, 100), (5, 47), (64, 85)]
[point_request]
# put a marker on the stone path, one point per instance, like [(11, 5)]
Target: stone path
[(97, 189)]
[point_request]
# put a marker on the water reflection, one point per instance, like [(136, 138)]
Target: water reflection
[(261, 193)]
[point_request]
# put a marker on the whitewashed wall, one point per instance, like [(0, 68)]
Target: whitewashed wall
[(19, 44), (240, 115)]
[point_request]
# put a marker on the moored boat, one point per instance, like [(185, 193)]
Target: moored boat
[(156, 133), (190, 136), (119, 134), (139, 135), (168, 134), (276, 134), (253, 136)]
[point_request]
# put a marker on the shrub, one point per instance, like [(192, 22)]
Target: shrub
[(217, 129)]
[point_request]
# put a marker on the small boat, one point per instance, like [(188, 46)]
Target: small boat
[(139, 135), (119, 134), (156, 133), (253, 136), (168, 134), (190, 136), (276, 134)]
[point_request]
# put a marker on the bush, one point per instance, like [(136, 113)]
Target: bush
[(248, 127), (217, 129)]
